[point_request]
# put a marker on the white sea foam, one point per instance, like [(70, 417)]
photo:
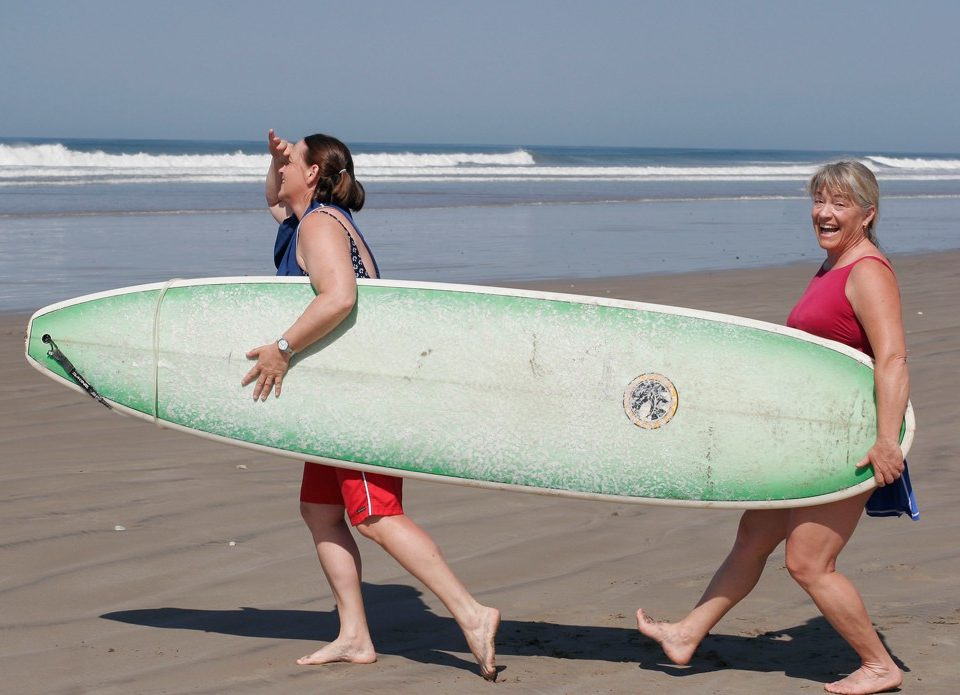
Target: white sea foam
[(412, 160), (56, 164), (601, 173), (916, 163)]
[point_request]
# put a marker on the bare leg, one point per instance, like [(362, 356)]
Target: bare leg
[(760, 532), (814, 540), (416, 551), (340, 560)]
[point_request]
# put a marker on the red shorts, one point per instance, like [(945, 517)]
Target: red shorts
[(361, 494)]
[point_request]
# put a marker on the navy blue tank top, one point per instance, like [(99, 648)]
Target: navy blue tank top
[(285, 247)]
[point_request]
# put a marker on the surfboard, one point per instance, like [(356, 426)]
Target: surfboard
[(501, 388)]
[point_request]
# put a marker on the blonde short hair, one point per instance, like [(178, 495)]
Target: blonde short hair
[(853, 179)]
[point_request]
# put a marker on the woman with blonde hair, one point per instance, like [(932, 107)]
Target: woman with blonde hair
[(853, 298)]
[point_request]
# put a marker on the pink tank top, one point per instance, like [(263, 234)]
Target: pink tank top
[(824, 309)]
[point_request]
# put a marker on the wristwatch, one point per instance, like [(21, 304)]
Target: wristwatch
[(285, 346)]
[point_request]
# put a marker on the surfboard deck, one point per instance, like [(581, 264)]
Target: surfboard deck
[(533, 391)]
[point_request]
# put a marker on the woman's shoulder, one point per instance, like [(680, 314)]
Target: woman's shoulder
[(872, 272), (871, 263), (323, 217)]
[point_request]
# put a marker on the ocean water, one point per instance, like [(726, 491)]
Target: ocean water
[(79, 216)]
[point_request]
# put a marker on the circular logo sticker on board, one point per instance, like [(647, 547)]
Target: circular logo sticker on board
[(650, 401)]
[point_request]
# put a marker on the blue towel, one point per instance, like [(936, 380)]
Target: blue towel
[(895, 499)]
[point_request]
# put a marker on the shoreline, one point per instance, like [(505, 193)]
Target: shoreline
[(541, 243), (638, 287), (168, 605)]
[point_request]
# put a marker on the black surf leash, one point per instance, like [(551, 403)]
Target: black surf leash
[(61, 359)]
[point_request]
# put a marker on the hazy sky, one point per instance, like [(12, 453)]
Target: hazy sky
[(805, 74)]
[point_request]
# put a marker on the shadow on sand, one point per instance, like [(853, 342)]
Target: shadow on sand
[(403, 625)]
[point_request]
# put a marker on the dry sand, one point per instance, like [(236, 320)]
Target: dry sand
[(212, 585)]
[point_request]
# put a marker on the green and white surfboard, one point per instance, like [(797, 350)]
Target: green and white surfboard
[(500, 388)]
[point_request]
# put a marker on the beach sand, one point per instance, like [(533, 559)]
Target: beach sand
[(140, 560)]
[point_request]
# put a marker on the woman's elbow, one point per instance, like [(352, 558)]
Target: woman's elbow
[(894, 360), (892, 364), (343, 304)]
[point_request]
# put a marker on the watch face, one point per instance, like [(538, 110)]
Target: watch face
[(284, 345)]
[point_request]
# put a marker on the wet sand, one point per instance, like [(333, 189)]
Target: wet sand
[(212, 586)]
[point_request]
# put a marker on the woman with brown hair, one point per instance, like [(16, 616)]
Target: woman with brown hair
[(312, 191)]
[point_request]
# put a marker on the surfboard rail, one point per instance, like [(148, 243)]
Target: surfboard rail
[(169, 289)]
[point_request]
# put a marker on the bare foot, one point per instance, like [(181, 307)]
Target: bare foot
[(338, 651), (676, 644), (480, 639), (866, 680)]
